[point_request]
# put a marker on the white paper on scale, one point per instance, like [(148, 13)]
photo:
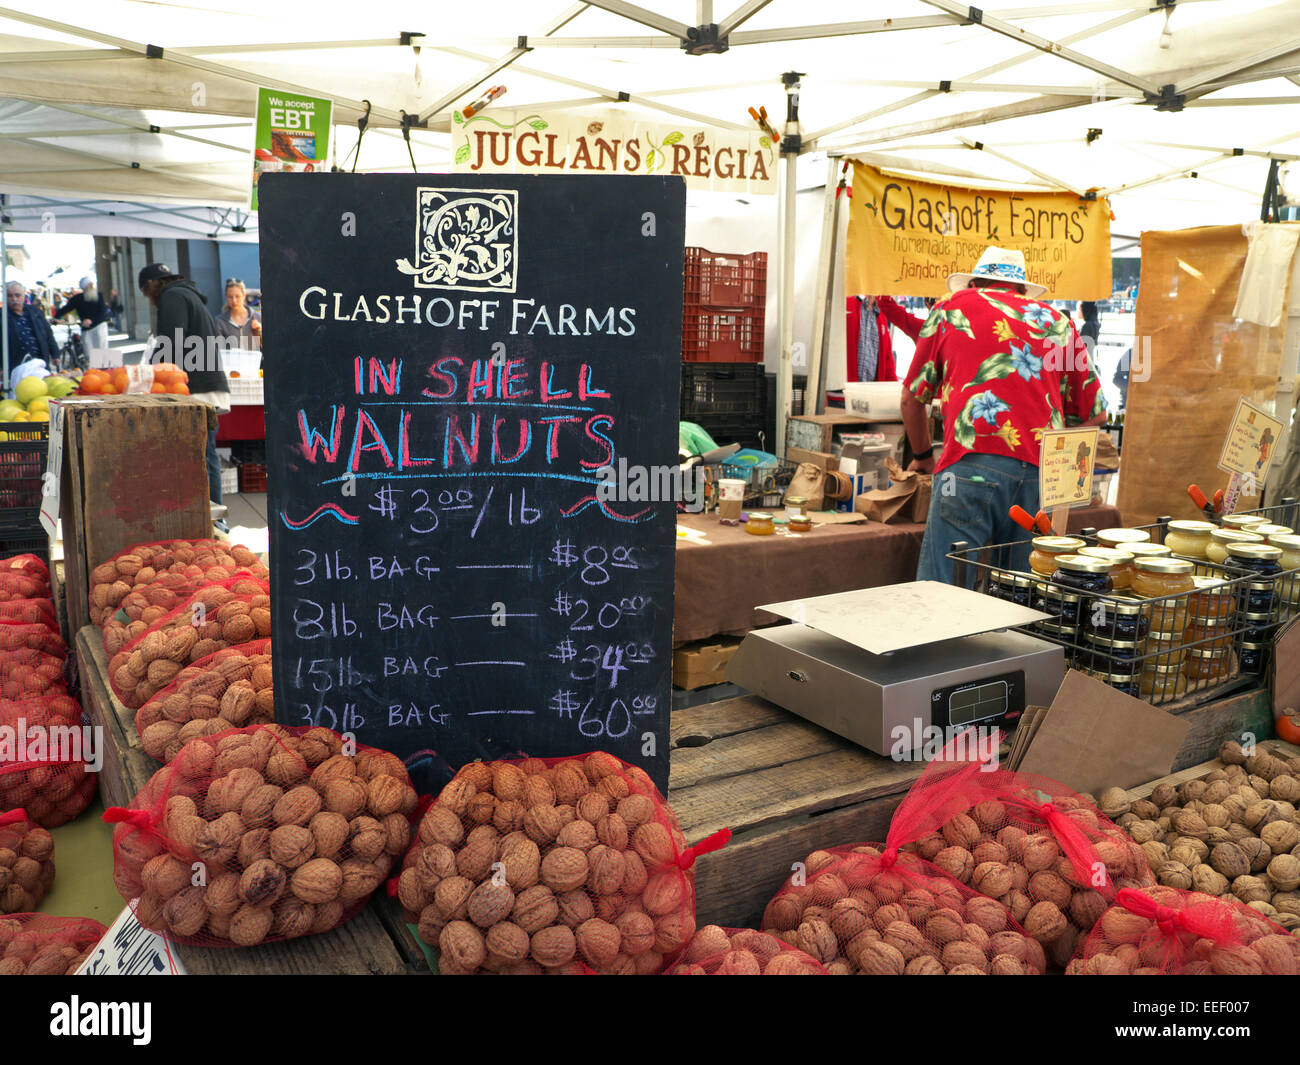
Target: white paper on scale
[(128, 949)]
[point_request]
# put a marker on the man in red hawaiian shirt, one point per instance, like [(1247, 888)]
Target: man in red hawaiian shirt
[(1004, 367)]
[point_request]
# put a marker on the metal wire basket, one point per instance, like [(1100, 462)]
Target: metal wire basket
[(1199, 644)]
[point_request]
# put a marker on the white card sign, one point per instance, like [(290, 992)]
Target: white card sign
[(129, 949)]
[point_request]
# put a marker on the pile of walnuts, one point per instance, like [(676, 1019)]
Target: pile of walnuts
[(1195, 935), (26, 863), (717, 951), (29, 612), (54, 791), (286, 834), (197, 562), (857, 914), (560, 865), (1232, 834), (214, 617), (34, 944), (999, 853), (228, 689)]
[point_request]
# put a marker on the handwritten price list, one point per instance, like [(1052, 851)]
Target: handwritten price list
[(454, 576)]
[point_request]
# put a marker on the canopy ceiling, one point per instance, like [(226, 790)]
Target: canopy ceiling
[(1174, 112)]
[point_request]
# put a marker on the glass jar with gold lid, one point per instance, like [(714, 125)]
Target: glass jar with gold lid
[(1270, 531), (760, 524), (1147, 550), (1157, 578), (1205, 665), (1290, 545), (1189, 538), (1204, 634), (1221, 538), (1263, 563), (1242, 521), (1164, 649), (1214, 600), (1161, 683), (1122, 537), (1042, 559), (1121, 561)]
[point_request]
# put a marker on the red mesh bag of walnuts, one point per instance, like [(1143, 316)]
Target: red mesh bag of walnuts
[(549, 865), (29, 674), (45, 771), (15, 584), (1046, 853), (718, 951), (1164, 931), (26, 863), (57, 703), (30, 612), (260, 834), (145, 605), (29, 564), (17, 636), (873, 909), (218, 615), (230, 688), (37, 944), (197, 561)]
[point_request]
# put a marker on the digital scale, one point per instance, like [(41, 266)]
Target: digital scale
[(879, 665)]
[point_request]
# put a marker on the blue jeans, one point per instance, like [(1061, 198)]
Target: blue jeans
[(970, 500), (214, 468)]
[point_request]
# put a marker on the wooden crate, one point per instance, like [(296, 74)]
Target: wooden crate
[(377, 941), (1278, 748), (134, 469)]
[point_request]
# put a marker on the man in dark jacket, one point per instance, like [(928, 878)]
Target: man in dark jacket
[(182, 316), (30, 335)]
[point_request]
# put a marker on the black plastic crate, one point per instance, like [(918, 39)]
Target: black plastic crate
[(22, 533), (23, 453), (38, 545), (722, 388)]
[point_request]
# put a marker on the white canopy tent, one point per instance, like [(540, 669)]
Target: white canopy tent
[(1173, 108)]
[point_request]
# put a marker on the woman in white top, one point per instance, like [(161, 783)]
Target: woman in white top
[(237, 320)]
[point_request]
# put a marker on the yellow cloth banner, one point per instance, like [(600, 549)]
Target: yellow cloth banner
[(907, 236)]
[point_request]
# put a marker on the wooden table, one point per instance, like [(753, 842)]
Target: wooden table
[(376, 941), (786, 787), (719, 583)]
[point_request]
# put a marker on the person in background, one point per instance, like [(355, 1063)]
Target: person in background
[(181, 315), (897, 315), (94, 312), (115, 306), (236, 319), (1121, 378), (1004, 366), (1091, 328), (32, 347)]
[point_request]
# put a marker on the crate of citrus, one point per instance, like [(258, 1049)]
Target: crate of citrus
[(162, 377)]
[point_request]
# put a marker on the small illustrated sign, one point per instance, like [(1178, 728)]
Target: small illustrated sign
[(129, 949), (1065, 467), (1253, 437), (293, 135)]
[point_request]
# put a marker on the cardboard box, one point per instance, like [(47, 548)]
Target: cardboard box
[(822, 459), (702, 664), (134, 470), (815, 432)]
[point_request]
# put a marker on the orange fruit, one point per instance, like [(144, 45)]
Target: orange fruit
[(157, 387), (180, 388)]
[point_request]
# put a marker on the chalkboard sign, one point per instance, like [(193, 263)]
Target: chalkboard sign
[(472, 392)]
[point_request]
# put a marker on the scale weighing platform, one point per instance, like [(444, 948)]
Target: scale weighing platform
[(879, 666)]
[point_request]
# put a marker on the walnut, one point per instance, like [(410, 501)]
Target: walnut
[(329, 831), (1284, 872), (318, 881), (250, 925), (297, 807), (263, 883), (553, 945)]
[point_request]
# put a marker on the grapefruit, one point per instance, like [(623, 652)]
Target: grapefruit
[(8, 408), (29, 388), (40, 403)]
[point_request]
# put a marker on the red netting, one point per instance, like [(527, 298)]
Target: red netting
[(260, 834), (198, 561), (32, 566), (16, 636), (219, 615), (26, 863), (528, 866), (57, 703), (36, 944), (1043, 851), (871, 909), (228, 689), (29, 674), (47, 764), (1162, 931), (147, 604), (30, 612), (717, 951), (14, 584)]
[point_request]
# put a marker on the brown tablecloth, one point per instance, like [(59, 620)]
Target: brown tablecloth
[(719, 583)]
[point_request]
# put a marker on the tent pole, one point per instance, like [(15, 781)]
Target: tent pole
[(825, 288), (4, 305), (785, 306)]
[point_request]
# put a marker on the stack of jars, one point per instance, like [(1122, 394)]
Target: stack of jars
[(1170, 581), (1058, 599), (1208, 636), (1258, 601)]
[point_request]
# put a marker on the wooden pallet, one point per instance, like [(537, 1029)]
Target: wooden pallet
[(377, 941), (1279, 748)]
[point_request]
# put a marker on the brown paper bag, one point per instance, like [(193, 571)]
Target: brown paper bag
[(1107, 457), (906, 500), (808, 481)]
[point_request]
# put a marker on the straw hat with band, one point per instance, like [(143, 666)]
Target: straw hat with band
[(998, 264)]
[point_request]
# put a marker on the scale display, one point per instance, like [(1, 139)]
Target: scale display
[(991, 699)]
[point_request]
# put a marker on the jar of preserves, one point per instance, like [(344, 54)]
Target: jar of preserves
[(1213, 600), (1290, 545), (1056, 630), (1242, 521), (1083, 574), (1162, 683), (760, 524), (1122, 537), (1164, 649), (801, 524), (1128, 683), (1061, 604), (1254, 657), (1042, 559), (1205, 667), (1116, 620), (1147, 551), (1114, 656), (795, 507), (1215, 635), (1270, 531), (1190, 539), (1159, 578), (1121, 573), (1221, 538), (1021, 589), (1263, 563)]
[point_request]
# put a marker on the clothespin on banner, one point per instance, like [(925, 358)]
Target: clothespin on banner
[(760, 118), (494, 93)]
